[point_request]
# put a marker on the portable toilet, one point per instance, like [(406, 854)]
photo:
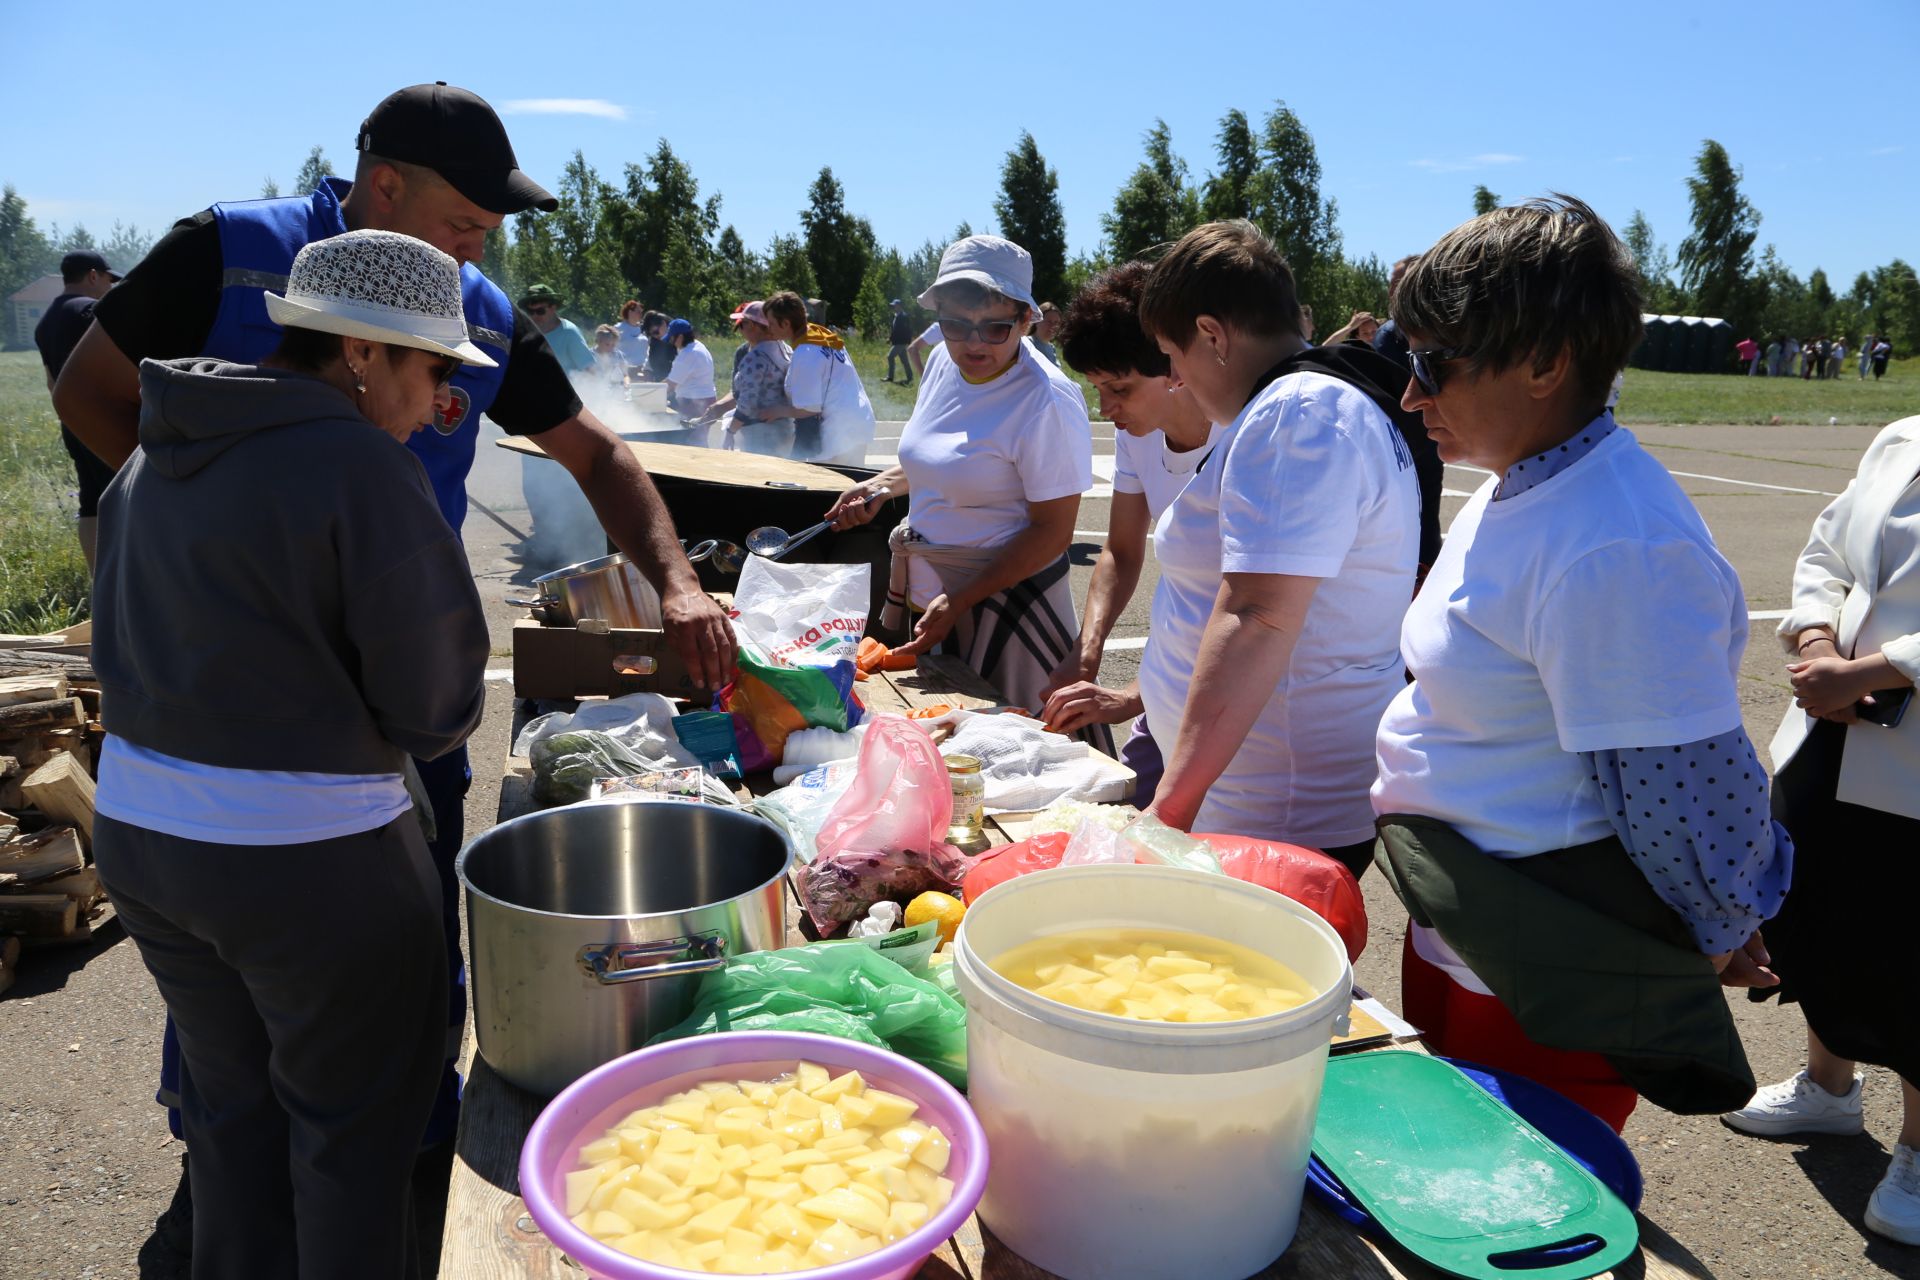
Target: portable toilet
[(1652, 351)]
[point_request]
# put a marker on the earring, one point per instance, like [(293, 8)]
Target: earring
[(360, 379), (1216, 355)]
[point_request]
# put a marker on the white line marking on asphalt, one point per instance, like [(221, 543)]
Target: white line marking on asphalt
[(1128, 645), (499, 673), (1695, 475), (1767, 615)]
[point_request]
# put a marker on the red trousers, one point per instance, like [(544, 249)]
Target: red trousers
[(1458, 1023)]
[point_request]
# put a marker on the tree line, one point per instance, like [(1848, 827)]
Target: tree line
[(653, 235)]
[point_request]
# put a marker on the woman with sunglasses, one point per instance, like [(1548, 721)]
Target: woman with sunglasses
[(284, 617), (1568, 803), (1286, 562), (993, 463)]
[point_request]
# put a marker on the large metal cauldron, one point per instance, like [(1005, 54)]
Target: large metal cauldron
[(590, 926)]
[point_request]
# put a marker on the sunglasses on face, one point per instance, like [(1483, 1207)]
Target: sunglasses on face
[(991, 332), (538, 309), (444, 371), (1426, 366)]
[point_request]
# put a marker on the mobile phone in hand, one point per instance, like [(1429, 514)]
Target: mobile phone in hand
[(1888, 707)]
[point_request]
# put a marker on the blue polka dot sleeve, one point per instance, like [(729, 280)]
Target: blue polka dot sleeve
[(1696, 821)]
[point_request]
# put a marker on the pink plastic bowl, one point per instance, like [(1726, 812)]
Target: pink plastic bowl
[(587, 1108)]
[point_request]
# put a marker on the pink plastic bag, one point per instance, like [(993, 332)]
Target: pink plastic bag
[(886, 837)]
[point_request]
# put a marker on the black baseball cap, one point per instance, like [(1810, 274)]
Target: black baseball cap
[(76, 265), (456, 134)]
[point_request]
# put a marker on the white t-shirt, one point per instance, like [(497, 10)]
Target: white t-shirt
[(150, 789), (1311, 480), (1591, 612), (931, 335), (823, 380), (976, 454), (692, 372), (1149, 465)]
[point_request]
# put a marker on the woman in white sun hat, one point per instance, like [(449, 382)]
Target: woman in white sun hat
[(282, 617), (993, 461)]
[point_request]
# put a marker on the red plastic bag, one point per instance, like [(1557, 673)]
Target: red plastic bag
[(886, 836), (1309, 877)]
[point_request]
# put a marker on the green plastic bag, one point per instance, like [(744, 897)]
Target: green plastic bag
[(852, 992)]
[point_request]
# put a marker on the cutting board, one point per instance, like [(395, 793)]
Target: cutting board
[(715, 466), (1458, 1179)]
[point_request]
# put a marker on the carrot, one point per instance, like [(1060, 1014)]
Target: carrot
[(870, 655)]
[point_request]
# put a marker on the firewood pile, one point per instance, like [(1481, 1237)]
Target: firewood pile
[(50, 894)]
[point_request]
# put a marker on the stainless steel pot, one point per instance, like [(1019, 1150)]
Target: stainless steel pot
[(609, 588), (590, 925)]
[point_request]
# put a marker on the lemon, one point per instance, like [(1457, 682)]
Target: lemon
[(934, 905)]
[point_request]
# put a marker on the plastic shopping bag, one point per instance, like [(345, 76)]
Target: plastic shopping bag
[(800, 807), (836, 989), (768, 702), (803, 613), (886, 835)]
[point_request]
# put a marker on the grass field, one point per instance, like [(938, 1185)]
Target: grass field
[(43, 579)]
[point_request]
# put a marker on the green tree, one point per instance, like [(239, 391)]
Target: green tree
[(24, 251), (269, 189), (75, 241), (495, 264), (1029, 213), (1658, 295), (1484, 201), (738, 272), (870, 310), (1229, 193), (1896, 306), (1289, 207), (1781, 306), (314, 168), (125, 245), (1716, 258), (788, 267), (839, 246), (1820, 295), (1082, 268), (534, 258), (661, 205), (583, 236), (1156, 206)]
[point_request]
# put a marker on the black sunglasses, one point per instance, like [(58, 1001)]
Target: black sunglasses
[(538, 308), (991, 332), (444, 373), (1426, 366)]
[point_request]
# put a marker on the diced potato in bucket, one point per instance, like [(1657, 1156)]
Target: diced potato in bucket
[(1154, 975), (760, 1177)]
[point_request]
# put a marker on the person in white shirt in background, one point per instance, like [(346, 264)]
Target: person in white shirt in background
[(633, 338), (1161, 438), (993, 463), (608, 360), (830, 405), (1285, 564), (918, 349), (690, 386)]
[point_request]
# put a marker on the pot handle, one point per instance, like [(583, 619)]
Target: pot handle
[(607, 962)]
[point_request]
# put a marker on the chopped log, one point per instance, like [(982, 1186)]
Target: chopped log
[(10, 797), (46, 688), (38, 915), (34, 662), (28, 717), (90, 699), (63, 791), (83, 886), (9, 765), (43, 855)]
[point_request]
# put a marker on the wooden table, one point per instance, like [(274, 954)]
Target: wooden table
[(489, 1233)]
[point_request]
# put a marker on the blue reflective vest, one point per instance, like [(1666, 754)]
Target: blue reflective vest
[(258, 241)]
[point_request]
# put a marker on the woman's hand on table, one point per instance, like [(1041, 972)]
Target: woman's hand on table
[(1083, 703), (935, 625), (1075, 668), (1747, 967), (1828, 686)]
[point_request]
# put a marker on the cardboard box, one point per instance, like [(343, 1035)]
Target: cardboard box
[(566, 662)]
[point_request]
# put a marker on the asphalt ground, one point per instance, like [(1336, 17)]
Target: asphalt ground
[(86, 1164)]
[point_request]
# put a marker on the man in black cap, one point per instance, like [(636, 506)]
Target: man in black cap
[(434, 163), (899, 334), (85, 278)]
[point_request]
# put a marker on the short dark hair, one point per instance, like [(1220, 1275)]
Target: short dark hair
[(1227, 270), (1523, 283), (316, 351), (971, 294), (1102, 332), (788, 308), (652, 318)]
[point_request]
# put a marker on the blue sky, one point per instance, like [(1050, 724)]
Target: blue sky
[(134, 113)]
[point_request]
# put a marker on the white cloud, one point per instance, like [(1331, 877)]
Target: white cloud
[(566, 107), (1486, 160), (1886, 151)]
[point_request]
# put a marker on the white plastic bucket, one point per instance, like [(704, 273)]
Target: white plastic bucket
[(1128, 1150)]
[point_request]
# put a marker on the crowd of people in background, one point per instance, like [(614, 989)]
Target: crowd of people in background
[(1818, 358)]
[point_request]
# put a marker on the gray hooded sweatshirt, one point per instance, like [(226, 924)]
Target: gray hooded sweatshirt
[(277, 588)]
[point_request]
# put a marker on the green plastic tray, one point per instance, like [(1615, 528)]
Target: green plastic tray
[(1457, 1178)]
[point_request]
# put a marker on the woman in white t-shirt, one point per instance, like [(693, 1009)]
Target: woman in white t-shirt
[(829, 402), (1571, 745), (690, 386), (1160, 438), (993, 461), (1285, 563)]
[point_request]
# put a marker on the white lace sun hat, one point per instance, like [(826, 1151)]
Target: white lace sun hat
[(381, 286)]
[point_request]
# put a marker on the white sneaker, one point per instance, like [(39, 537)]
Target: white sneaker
[(1893, 1210), (1798, 1106)]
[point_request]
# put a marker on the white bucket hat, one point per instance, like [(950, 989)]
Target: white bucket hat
[(999, 264), (381, 286)]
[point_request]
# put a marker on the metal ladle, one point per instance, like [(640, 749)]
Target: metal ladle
[(774, 542)]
